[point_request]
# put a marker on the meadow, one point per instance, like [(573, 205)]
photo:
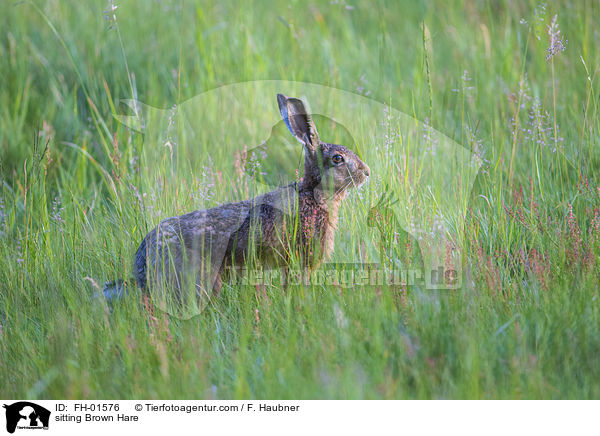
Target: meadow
[(513, 82)]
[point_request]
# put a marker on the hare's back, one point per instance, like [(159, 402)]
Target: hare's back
[(210, 225)]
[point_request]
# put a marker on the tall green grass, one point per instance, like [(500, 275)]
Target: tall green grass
[(76, 200)]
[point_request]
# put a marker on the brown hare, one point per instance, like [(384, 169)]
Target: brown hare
[(195, 251)]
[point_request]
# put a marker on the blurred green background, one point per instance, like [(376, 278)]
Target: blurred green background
[(77, 194)]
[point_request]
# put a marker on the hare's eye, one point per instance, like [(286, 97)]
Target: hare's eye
[(337, 159)]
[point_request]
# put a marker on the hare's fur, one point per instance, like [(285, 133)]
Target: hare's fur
[(197, 248)]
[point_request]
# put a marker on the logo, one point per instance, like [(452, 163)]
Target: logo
[(418, 196), (26, 415)]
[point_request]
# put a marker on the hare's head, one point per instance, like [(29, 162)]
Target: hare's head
[(327, 167)]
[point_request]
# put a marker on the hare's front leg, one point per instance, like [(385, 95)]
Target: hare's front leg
[(285, 272)]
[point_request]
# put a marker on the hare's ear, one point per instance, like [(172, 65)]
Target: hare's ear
[(298, 121)]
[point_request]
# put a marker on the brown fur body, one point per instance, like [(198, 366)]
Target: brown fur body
[(300, 219)]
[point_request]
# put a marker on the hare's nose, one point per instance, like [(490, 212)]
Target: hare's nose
[(367, 170)]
